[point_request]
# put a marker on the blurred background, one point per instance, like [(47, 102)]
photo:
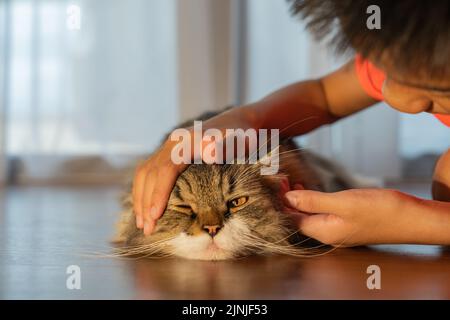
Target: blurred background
[(88, 86)]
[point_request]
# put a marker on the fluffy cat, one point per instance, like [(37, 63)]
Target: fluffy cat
[(218, 212)]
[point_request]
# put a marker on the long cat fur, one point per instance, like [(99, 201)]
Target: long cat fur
[(259, 227)]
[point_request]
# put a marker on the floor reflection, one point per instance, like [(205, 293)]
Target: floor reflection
[(44, 230), (341, 274)]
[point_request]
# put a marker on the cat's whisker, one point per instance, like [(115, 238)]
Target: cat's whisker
[(291, 151), (284, 155), (273, 247), (140, 247), (242, 174), (245, 177), (252, 169), (159, 256), (154, 248)]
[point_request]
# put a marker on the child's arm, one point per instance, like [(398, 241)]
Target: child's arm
[(370, 216), (374, 216), (296, 109), (312, 103)]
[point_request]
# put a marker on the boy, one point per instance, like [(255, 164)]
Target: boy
[(405, 63)]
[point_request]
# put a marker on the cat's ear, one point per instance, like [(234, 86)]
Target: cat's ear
[(279, 183), (269, 165), (270, 162)]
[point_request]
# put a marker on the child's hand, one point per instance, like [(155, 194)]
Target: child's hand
[(368, 216), (153, 182), (155, 178)]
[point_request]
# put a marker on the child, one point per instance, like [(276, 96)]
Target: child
[(405, 63)]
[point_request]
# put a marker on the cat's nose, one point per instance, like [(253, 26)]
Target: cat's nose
[(212, 230)]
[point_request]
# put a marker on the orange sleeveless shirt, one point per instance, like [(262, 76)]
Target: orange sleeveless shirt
[(372, 79)]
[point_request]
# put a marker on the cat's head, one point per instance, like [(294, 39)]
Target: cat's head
[(222, 211), (218, 212)]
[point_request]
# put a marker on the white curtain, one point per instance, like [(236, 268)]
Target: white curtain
[(134, 68), (108, 88), (3, 86)]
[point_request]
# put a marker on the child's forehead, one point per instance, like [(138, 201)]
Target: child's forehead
[(418, 78), (423, 84)]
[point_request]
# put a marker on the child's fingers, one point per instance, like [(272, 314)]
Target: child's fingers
[(147, 201), (309, 225), (309, 201), (161, 192), (164, 181), (137, 191), (317, 226)]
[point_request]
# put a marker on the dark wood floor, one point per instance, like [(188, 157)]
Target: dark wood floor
[(43, 230)]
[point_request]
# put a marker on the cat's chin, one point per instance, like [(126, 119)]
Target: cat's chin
[(199, 248), (211, 252)]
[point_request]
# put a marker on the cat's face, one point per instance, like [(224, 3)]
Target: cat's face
[(218, 212)]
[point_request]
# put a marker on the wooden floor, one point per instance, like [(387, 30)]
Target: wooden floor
[(44, 230)]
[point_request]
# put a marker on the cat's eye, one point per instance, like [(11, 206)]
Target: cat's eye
[(235, 204)]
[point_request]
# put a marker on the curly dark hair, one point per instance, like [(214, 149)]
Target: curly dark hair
[(414, 33)]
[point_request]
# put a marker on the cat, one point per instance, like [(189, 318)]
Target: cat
[(219, 212)]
